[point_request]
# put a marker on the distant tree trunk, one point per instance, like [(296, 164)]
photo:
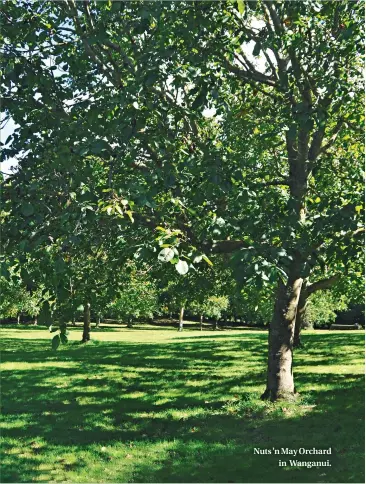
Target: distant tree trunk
[(129, 323), (171, 316), (86, 327), (72, 302), (201, 322), (98, 321), (181, 315), (18, 318), (35, 321), (215, 324)]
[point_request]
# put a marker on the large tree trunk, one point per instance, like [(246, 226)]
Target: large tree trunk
[(86, 327), (181, 316), (280, 380)]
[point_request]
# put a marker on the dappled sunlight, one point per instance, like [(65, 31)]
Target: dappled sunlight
[(181, 410)]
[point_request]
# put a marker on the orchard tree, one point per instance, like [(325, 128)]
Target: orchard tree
[(137, 297), (272, 178), (192, 288), (184, 291), (301, 115), (17, 300), (214, 307)]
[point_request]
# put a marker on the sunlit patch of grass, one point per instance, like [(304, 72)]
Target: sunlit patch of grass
[(139, 405)]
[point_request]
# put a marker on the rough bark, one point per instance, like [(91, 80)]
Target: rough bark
[(181, 316), (280, 380), (86, 326), (306, 291)]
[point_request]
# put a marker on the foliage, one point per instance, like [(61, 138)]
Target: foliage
[(15, 299), (254, 304), (137, 299), (322, 307), (61, 337), (202, 183), (215, 306)]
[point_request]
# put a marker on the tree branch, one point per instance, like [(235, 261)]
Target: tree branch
[(334, 135), (323, 284), (249, 75)]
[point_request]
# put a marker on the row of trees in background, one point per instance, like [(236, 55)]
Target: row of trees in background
[(143, 298)]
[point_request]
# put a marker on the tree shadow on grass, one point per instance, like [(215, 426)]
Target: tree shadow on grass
[(179, 394)]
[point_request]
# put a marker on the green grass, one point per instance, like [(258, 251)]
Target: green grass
[(162, 406)]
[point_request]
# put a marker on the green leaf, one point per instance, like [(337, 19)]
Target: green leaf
[(241, 6), (166, 255), (27, 209), (63, 338), (151, 79), (119, 210), (257, 49), (182, 267), (56, 340), (199, 101), (99, 146), (116, 6), (206, 259)]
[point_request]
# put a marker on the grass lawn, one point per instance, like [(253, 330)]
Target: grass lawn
[(161, 406)]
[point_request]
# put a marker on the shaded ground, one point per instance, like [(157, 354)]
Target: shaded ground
[(163, 406)]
